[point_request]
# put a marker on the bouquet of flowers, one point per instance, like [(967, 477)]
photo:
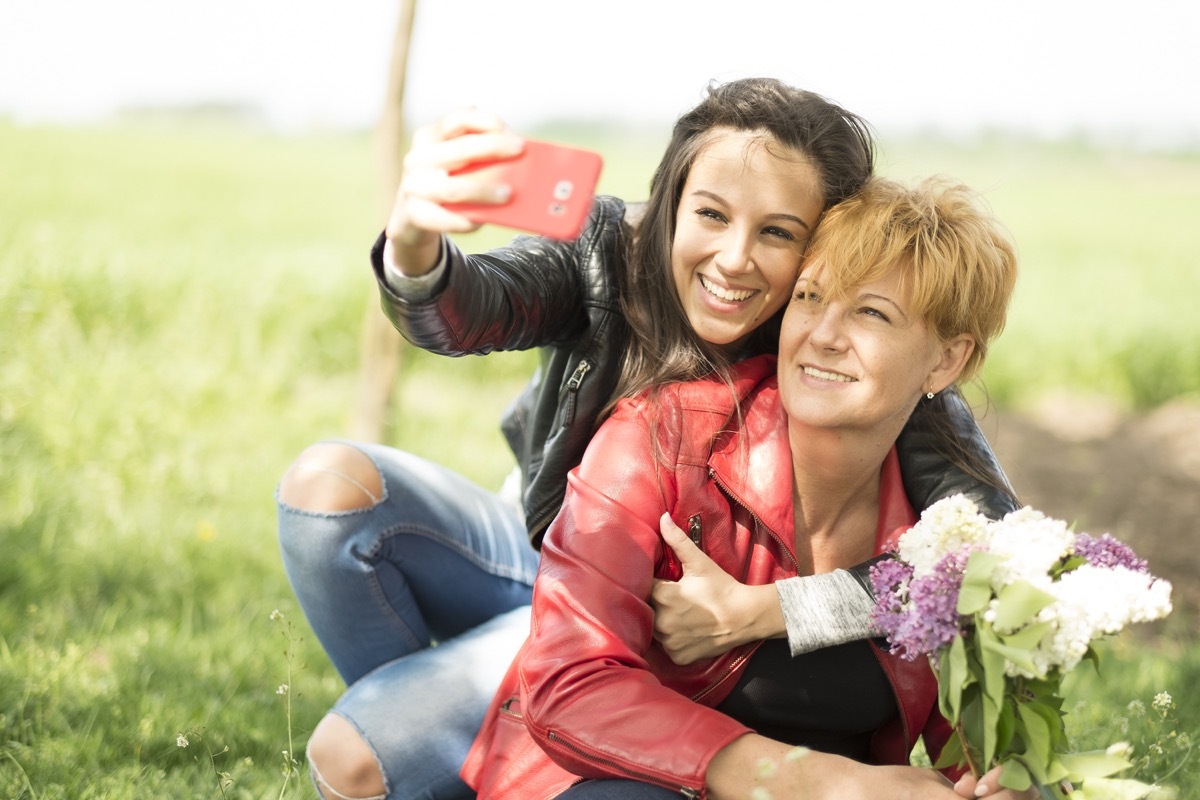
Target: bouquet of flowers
[(1004, 610)]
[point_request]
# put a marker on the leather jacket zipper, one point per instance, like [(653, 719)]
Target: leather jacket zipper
[(582, 369), (536, 531), (712, 473), (572, 385), (686, 791)]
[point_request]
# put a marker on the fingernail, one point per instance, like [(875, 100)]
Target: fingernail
[(502, 193), (514, 144), (982, 790)]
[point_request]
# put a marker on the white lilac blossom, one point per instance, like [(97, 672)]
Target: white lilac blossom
[(1031, 544), (947, 526), (1092, 602), (1004, 610)]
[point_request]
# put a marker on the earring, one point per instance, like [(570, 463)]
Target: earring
[(929, 394)]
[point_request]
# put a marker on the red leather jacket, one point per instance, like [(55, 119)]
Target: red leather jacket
[(592, 694)]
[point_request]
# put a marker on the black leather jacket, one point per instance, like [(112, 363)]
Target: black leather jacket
[(561, 297)]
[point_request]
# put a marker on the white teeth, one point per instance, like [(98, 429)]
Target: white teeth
[(827, 376), (728, 295)]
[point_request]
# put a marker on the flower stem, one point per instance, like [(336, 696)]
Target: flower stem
[(968, 751)]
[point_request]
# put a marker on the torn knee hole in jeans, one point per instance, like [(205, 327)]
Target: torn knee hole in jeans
[(326, 483), (323, 787), (364, 494)]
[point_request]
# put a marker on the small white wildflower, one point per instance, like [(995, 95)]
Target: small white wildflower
[(283, 689), (181, 741), (1136, 707), (276, 615), (1119, 749), (1163, 702)]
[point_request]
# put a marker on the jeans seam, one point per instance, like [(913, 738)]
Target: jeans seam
[(490, 566)]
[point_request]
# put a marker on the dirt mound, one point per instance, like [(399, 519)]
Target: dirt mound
[(1137, 478)]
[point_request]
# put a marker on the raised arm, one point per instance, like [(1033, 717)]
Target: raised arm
[(528, 294), (419, 215)]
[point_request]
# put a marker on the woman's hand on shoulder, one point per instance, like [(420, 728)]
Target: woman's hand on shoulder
[(419, 215)]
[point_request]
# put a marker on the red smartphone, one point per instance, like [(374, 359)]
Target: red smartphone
[(552, 185)]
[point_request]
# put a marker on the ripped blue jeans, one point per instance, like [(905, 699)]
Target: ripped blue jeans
[(436, 561)]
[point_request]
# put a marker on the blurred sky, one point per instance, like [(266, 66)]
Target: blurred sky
[(1051, 67)]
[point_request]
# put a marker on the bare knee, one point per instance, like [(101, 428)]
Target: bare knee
[(342, 764), (331, 476)]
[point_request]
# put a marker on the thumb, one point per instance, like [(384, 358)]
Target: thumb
[(691, 557)]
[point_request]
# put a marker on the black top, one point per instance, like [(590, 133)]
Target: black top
[(832, 699)]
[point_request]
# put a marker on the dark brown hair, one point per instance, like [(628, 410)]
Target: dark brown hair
[(663, 346)]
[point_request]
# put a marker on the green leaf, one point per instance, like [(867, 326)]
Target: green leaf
[(1053, 718), (1112, 789), (991, 661), (1005, 729), (1091, 765), (1057, 771), (991, 720), (972, 720), (952, 754), (1036, 734), (953, 679), (1015, 776), (1028, 637), (1071, 562), (1019, 656), (1018, 603), (976, 591)]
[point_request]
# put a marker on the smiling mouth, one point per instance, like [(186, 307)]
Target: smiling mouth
[(828, 376), (728, 295)]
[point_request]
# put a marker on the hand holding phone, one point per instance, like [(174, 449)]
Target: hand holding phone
[(552, 190)]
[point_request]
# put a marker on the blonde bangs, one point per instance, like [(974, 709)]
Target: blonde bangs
[(957, 265)]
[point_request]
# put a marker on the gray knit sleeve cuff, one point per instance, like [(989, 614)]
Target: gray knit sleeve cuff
[(414, 290), (824, 610)]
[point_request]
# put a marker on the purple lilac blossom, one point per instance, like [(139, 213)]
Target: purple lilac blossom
[(929, 620), (1107, 552), (889, 584)]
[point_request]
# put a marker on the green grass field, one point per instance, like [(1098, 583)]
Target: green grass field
[(180, 315)]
